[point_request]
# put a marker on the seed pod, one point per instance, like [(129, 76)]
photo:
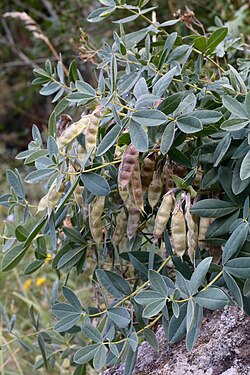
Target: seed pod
[(203, 227), (124, 193), (163, 215), (168, 176), (129, 158), (155, 190), (63, 123), (95, 218), (215, 252), (198, 178), (178, 230), (192, 230), (120, 228), (80, 153), (73, 131), (78, 195), (50, 200), (147, 171), (133, 222), (91, 132), (137, 186)]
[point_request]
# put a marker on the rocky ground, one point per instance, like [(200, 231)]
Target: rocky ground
[(223, 348)]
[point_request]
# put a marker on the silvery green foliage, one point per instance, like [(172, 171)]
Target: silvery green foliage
[(158, 96)]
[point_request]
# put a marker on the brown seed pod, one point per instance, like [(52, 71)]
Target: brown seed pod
[(178, 230), (120, 228), (63, 123), (78, 195), (180, 170), (71, 132), (198, 178), (203, 227), (192, 230), (215, 252), (155, 190), (133, 221), (163, 215), (91, 132), (167, 171), (137, 186), (129, 158), (147, 171), (95, 218), (124, 193)]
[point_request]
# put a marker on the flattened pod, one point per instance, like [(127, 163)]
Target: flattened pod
[(133, 222), (91, 132), (192, 230), (163, 215), (137, 186), (155, 190), (95, 218), (147, 171), (178, 230), (203, 227), (73, 131), (129, 158), (120, 228)]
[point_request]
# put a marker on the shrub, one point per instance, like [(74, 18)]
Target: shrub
[(150, 182)]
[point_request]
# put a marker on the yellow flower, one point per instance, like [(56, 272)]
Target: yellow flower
[(27, 284), (48, 258), (40, 281)]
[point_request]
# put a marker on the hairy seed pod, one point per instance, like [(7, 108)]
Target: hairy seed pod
[(203, 227), (147, 171), (124, 193), (95, 218), (178, 230), (133, 221), (137, 186), (163, 215), (155, 190), (80, 153), (50, 200), (129, 158), (71, 132), (198, 178), (192, 230), (78, 195), (91, 132), (120, 228)]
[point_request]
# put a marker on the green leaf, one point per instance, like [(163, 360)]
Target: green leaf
[(193, 333), (239, 267), (133, 341), (235, 107), (85, 354), (216, 38), (200, 43), (245, 167), (91, 332), (109, 140), (120, 316), (233, 287), (148, 296), (67, 322), (150, 117), (222, 225), (212, 298), (221, 149), (234, 124), (170, 104), (35, 231), (157, 283), (115, 284), (33, 266), (130, 362), (199, 274), (95, 183), (38, 176), (72, 299), (154, 308), (151, 338), (69, 259), (50, 89), (15, 182), (188, 124), (247, 104), (235, 241), (42, 348), (167, 138), (177, 326), (21, 233), (213, 208), (12, 258), (139, 137), (61, 310), (206, 117), (162, 84), (100, 357), (246, 289), (74, 236), (239, 185)]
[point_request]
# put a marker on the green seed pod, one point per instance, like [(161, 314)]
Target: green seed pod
[(91, 132), (95, 218), (155, 190), (137, 186), (192, 230), (163, 215), (203, 227), (133, 221), (178, 230), (71, 132), (147, 171), (120, 228), (129, 158)]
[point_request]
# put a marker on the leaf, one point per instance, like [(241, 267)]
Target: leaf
[(154, 308), (38, 176), (221, 149), (157, 283), (120, 316), (177, 326), (193, 334), (188, 124), (239, 267), (239, 185), (74, 236), (213, 208), (206, 117), (85, 354), (212, 298), (199, 274), (115, 284), (67, 322), (85, 88), (50, 89), (162, 84), (35, 231), (109, 140), (100, 357), (234, 124), (148, 296), (150, 117), (138, 135), (151, 338), (234, 288), (216, 38), (95, 183), (235, 107), (245, 167), (21, 233), (62, 309), (42, 348), (33, 266), (221, 225), (16, 183), (91, 332), (12, 258), (169, 104), (130, 362), (235, 241), (167, 138), (72, 299)]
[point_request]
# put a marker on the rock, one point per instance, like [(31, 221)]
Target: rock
[(222, 349)]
